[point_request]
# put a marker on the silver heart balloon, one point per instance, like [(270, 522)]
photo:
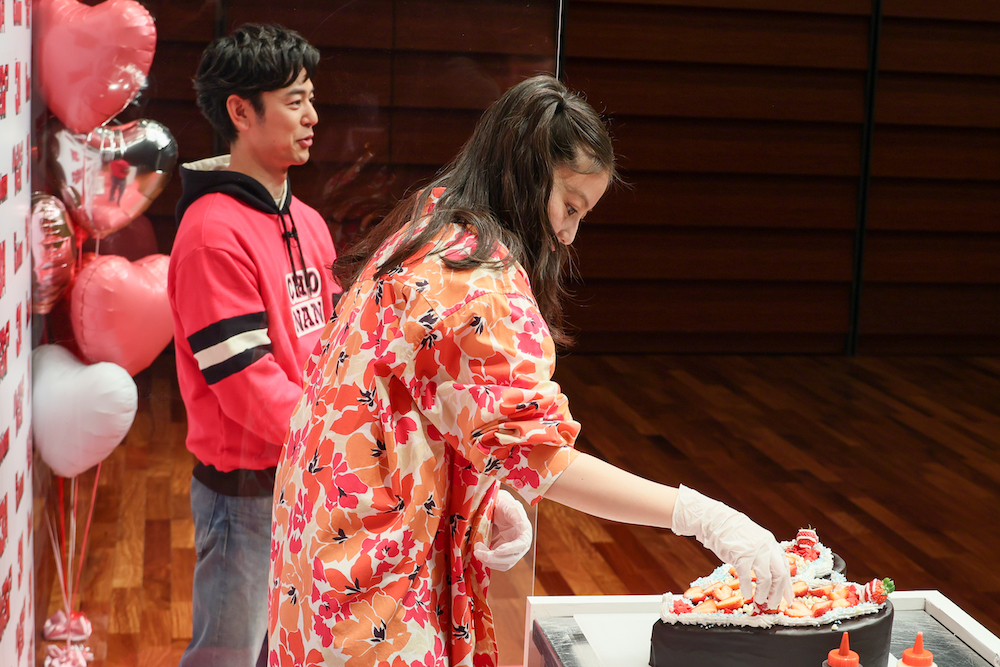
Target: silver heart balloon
[(107, 178), (52, 251)]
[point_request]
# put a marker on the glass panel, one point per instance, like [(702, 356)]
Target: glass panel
[(399, 88)]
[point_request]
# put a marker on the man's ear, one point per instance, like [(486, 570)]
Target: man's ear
[(240, 111)]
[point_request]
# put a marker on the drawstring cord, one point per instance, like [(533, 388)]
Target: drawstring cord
[(288, 233)]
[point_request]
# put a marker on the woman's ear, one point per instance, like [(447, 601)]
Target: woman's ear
[(239, 110)]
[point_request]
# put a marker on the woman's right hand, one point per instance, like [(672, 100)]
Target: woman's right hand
[(737, 540)]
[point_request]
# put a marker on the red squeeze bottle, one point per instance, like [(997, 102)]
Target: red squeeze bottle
[(843, 656), (917, 656)]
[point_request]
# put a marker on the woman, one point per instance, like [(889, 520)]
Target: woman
[(433, 385)]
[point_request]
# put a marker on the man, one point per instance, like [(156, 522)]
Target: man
[(250, 294), (119, 174)]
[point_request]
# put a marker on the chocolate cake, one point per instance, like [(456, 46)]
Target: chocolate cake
[(680, 645), (711, 625)]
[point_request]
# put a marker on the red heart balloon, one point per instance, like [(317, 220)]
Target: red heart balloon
[(121, 312), (92, 61)]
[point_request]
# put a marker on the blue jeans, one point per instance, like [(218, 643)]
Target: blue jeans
[(229, 605)]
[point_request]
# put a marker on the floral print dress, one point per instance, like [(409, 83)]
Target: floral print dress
[(429, 388)]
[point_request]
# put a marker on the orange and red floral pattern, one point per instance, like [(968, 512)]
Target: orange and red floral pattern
[(429, 388)]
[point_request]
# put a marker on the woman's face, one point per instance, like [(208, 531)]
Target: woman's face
[(573, 196)]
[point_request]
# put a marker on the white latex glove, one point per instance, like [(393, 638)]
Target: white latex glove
[(511, 535), (737, 540)]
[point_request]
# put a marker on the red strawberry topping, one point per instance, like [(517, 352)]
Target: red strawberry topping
[(682, 607), (877, 590)]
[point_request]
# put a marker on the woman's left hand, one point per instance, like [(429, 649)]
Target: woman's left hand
[(511, 535)]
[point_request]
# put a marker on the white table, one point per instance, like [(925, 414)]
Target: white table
[(614, 630)]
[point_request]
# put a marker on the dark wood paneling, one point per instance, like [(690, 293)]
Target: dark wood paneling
[(719, 91), (709, 307), (755, 147), (931, 259), (683, 34), (954, 10), (941, 310), (959, 206), (729, 200), (359, 78), (737, 121), (936, 153), (422, 137), (941, 100), (164, 205), (185, 122), (493, 26), (182, 20), (857, 7), (738, 124), (361, 24), (460, 80), (667, 342), (942, 257), (894, 344), (173, 69), (642, 253), (347, 132), (952, 47)]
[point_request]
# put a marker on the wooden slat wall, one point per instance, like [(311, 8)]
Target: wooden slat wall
[(932, 263), (739, 126), (738, 123)]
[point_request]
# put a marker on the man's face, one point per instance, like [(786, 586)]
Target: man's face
[(282, 135)]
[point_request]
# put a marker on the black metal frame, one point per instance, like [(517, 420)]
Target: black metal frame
[(561, 40), (864, 180)]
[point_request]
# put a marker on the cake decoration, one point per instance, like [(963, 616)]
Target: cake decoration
[(712, 625), (822, 596)]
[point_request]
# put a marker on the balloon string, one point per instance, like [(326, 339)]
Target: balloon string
[(55, 551), (97, 246), (85, 202), (72, 542), (86, 533), (62, 520)]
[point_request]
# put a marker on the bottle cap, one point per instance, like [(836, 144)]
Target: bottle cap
[(843, 656), (917, 656)]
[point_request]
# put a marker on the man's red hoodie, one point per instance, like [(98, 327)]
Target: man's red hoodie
[(250, 291)]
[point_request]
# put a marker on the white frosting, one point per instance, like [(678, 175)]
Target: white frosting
[(817, 573), (816, 569), (742, 616)]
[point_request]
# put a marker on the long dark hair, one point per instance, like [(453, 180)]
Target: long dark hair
[(500, 184)]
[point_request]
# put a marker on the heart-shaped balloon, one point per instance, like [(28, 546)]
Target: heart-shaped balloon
[(92, 61), (52, 251), (80, 412), (121, 312), (108, 177)]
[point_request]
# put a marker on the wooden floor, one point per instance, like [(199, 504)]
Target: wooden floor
[(895, 461)]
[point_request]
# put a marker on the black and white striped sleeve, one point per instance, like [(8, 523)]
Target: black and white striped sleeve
[(230, 345)]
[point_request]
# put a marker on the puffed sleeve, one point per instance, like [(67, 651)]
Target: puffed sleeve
[(482, 376)]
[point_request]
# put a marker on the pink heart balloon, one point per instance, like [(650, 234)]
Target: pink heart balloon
[(121, 312), (92, 61)]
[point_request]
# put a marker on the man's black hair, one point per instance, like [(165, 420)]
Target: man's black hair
[(252, 60)]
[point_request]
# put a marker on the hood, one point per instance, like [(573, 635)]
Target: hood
[(207, 176)]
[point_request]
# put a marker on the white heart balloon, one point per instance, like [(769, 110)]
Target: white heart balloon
[(80, 412)]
